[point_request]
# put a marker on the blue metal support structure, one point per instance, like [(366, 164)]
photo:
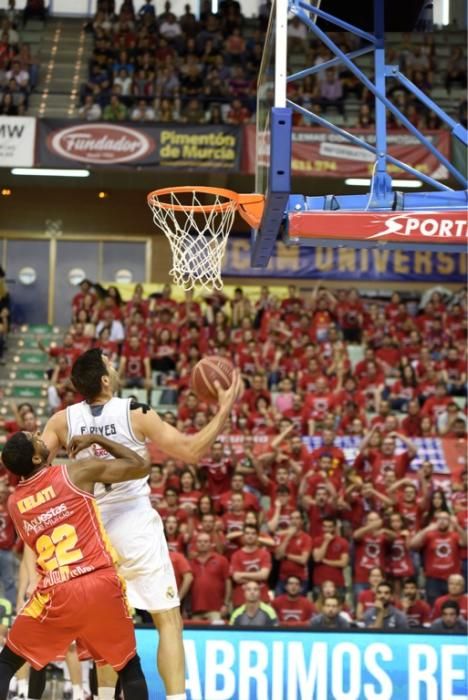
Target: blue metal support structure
[(381, 196), (381, 186)]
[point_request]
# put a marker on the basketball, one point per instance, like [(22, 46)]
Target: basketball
[(207, 372)]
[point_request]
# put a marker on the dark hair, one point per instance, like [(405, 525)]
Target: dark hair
[(410, 580), (293, 576), (248, 526), (431, 510), (187, 471), (18, 454), (385, 584), (329, 519), (450, 605), (87, 372), (283, 489), (171, 489)]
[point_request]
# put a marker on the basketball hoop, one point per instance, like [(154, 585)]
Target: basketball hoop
[(197, 222)]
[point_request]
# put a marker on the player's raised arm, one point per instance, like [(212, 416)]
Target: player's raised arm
[(55, 433), (188, 448), (125, 466)]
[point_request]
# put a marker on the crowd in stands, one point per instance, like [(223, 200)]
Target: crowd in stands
[(279, 522), (155, 66), (18, 70)]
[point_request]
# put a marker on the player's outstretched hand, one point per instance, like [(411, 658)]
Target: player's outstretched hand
[(78, 443), (227, 397)]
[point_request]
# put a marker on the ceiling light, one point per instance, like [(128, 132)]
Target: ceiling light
[(365, 182), (51, 172), (6, 192)]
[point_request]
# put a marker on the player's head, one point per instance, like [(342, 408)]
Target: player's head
[(92, 375), (24, 453)]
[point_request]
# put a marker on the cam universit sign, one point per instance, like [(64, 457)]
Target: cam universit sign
[(227, 664), (67, 144), (372, 264)]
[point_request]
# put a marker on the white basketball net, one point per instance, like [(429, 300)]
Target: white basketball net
[(197, 233)]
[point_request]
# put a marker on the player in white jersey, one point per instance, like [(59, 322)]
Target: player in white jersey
[(134, 527)]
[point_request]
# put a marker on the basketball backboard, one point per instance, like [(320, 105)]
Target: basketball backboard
[(383, 216)]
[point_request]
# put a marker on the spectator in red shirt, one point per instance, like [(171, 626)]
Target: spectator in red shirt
[(411, 423), (366, 597), (437, 504), (189, 495), (67, 349), (175, 539), (135, 365), (238, 486), (7, 542), (417, 611), (370, 542), (385, 458), (171, 506), (351, 316), (329, 448), (214, 528), (257, 389), (322, 506), (404, 389), (331, 556), (218, 469), (410, 507), (454, 372), (293, 608), (211, 588), (250, 563), (279, 516), (440, 545), (437, 403), (233, 523), (157, 484), (456, 591), (293, 552), (183, 574), (399, 562)]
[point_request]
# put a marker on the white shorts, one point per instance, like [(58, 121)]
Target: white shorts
[(136, 532)]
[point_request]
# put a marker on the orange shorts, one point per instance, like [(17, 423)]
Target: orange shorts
[(92, 608)]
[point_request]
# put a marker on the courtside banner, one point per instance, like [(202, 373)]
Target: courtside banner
[(65, 143), (227, 664), (17, 142), (377, 264), (319, 153)]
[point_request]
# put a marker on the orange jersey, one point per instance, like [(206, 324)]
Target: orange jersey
[(61, 524)]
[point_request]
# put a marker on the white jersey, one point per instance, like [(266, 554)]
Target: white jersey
[(113, 421)]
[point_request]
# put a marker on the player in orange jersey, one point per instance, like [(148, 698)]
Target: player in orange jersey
[(56, 515)]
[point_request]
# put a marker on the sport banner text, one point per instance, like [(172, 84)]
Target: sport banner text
[(320, 153), (65, 143), (228, 664), (372, 264)]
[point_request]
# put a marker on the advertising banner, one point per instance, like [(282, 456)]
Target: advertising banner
[(228, 664), (372, 264), (64, 143), (319, 153), (17, 142), (407, 227)]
